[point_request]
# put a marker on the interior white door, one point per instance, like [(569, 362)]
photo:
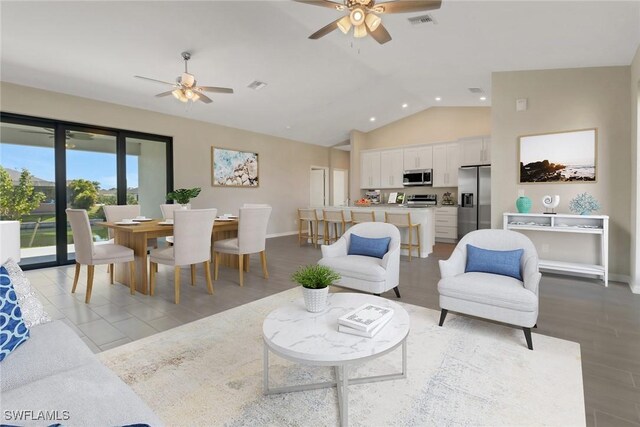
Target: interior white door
[(339, 188), (318, 190)]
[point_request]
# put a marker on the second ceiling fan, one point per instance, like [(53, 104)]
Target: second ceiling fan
[(363, 16)]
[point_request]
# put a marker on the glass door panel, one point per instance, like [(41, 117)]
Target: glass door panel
[(146, 175), (27, 188), (92, 179)]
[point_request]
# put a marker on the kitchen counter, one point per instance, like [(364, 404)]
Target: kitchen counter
[(423, 216)]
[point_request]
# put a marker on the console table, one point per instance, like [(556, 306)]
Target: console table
[(564, 223)]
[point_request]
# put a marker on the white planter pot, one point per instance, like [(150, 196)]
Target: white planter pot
[(315, 299)]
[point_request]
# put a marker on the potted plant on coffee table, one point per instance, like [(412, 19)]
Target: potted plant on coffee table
[(183, 196), (315, 281)]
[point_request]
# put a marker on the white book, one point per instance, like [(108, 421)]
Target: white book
[(369, 334), (366, 317)]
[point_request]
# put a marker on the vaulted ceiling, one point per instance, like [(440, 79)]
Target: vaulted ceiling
[(317, 90)]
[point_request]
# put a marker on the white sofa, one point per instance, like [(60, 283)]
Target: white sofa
[(368, 274)]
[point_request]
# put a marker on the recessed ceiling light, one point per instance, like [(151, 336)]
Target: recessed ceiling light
[(438, 98), (405, 105), (372, 119), (288, 127), (483, 98)]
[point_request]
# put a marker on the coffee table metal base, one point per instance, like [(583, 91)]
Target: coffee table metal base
[(342, 381)]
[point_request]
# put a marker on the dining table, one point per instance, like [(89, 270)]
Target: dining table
[(136, 235)]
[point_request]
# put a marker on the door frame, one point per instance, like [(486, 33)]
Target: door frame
[(326, 183)]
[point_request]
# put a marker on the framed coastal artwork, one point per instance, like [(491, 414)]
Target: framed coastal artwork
[(232, 168), (560, 157)]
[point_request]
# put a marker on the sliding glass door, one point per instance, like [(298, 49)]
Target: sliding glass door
[(47, 166)]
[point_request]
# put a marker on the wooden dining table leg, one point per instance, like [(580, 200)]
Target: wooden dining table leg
[(246, 262), (137, 242), (193, 274)]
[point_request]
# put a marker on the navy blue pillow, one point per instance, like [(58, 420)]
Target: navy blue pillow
[(505, 263), (373, 247), (13, 330)]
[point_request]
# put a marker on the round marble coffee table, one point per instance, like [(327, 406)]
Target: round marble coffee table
[(308, 338)]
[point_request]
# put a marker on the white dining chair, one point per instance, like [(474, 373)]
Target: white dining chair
[(167, 210), (252, 236), (256, 205), (192, 230), (89, 254)]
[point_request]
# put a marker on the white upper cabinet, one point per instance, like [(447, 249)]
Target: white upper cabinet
[(391, 168), (418, 158), (370, 170), (475, 151), (446, 161)]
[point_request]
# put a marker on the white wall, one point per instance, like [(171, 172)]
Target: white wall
[(565, 100)]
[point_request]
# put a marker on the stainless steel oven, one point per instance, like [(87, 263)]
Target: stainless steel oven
[(417, 177)]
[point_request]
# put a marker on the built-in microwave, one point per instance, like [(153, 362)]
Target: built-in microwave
[(417, 177)]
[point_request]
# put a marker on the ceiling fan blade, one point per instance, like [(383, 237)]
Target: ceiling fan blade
[(325, 30), (80, 136), (215, 89), (405, 6), (154, 80), (323, 3), (204, 98), (381, 35), (160, 95), (38, 132)]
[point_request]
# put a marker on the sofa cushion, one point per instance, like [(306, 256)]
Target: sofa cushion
[(489, 289), (356, 266), (506, 263), (368, 246), (91, 394), (53, 348), (13, 330), (32, 309)]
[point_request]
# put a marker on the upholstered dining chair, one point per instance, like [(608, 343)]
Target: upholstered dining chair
[(366, 273), (252, 236), (255, 205), (192, 245), (90, 254), (492, 296), (167, 210)]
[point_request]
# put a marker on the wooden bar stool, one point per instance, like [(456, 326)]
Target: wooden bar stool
[(308, 226), (403, 220), (362, 216), (335, 218)]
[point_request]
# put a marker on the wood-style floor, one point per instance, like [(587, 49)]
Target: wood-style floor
[(605, 321)]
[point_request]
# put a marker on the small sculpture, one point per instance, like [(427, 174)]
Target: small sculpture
[(551, 203), (584, 204)]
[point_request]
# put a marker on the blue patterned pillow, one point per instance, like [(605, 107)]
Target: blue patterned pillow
[(13, 330)]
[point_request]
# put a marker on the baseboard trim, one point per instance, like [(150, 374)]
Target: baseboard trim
[(286, 233)]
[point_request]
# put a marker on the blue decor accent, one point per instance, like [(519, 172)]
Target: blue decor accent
[(13, 330), (584, 204), (505, 263), (523, 204), (373, 247)]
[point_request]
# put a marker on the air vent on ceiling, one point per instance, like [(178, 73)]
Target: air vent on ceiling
[(475, 90), (422, 19), (257, 85)]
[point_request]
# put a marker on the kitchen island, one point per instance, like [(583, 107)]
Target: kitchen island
[(423, 216)]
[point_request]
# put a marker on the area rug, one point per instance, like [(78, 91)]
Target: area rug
[(467, 373)]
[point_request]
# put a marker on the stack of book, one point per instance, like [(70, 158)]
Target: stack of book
[(365, 321)]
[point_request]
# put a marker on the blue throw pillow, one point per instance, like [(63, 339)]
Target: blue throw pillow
[(373, 247), (505, 263), (13, 330)]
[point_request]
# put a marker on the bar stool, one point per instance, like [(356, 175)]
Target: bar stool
[(335, 217), (362, 216), (403, 220), (308, 226)]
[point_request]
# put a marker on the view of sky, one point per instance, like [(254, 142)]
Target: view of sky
[(100, 167), (572, 148)]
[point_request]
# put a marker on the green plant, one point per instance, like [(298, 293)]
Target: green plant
[(18, 200), (184, 195), (84, 193), (315, 276)]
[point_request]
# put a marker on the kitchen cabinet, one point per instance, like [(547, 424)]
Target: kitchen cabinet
[(418, 158), (391, 169), (475, 151), (446, 161), (446, 224), (370, 170)]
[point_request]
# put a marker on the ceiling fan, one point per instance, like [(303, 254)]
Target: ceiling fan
[(185, 86), (363, 16), (83, 136)]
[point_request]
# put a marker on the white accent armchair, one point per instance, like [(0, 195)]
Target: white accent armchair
[(491, 296), (368, 274)]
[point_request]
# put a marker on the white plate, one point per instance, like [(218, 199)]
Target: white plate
[(165, 223), (125, 223), (142, 219)]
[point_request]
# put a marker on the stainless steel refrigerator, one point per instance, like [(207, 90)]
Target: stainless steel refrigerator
[(474, 199)]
